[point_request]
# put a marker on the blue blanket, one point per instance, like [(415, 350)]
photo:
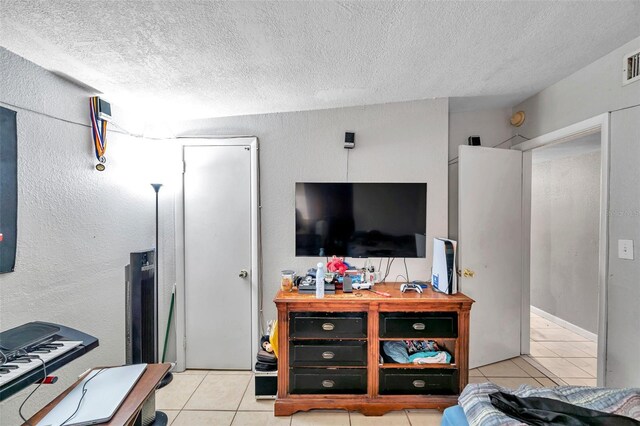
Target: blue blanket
[(474, 400)]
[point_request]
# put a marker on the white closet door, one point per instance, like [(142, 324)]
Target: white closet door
[(217, 229)]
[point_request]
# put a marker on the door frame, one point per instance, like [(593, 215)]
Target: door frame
[(256, 273), (599, 123)]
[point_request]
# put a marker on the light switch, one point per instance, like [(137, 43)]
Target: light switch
[(625, 249)]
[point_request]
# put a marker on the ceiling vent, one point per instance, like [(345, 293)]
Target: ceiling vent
[(631, 68)]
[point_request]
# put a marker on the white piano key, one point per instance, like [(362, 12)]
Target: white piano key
[(24, 368)]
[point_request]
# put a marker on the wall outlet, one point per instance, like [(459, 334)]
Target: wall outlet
[(625, 249)]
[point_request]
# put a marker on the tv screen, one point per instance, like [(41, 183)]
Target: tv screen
[(361, 219)]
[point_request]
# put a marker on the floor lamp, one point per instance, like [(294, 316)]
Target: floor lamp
[(169, 376)]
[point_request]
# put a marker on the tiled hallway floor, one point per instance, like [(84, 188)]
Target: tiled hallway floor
[(564, 356), (218, 398)]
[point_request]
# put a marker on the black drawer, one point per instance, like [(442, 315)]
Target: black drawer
[(317, 353), (428, 381), (328, 380), (419, 324), (328, 325)]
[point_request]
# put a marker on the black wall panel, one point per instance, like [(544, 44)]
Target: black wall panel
[(8, 189)]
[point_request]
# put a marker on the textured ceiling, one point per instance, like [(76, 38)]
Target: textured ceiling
[(204, 58)]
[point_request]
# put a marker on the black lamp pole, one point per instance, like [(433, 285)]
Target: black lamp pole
[(161, 418), (156, 188), (168, 377)]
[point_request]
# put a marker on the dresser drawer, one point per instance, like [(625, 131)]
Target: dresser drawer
[(428, 381), (328, 381), (316, 353), (328, 325), (420, 324)]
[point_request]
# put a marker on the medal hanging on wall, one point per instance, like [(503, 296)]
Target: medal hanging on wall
[(99, 132)]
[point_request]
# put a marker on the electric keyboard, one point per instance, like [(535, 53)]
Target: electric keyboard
[(29, 349)]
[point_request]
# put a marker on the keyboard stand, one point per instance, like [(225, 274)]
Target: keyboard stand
[(143, 391)]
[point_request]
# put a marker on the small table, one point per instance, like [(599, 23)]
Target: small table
[(132, 404)]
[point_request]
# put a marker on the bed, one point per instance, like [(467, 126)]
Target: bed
[(475, 408), (454, 416)]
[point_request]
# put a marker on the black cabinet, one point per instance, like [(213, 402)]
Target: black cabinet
[(328, 325), (328, 381), (431, 381), (408, 325), (315, 353), (336, 340)]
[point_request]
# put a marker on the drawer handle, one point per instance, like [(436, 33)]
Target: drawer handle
[(328, 355), (328, 383), (418, 383), (419, 326), (327, 326)]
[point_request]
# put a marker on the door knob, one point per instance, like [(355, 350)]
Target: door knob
[(243, 273), (468, 273)]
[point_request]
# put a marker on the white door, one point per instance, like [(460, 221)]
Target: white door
[(490, 247), (217, 230)]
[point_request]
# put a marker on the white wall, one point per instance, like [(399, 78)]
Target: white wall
[(623, 329), (398, 142), (492, 125), (76, 226), (594, 90), (565, 216)]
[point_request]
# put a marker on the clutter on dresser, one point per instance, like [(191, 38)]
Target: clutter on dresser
[(308, 283), (337, 264), (336, 274), (287, 278), (333, 274), (411, 287), (320, 281)]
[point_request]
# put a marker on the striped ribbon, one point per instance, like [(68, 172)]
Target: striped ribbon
[(99, 130)]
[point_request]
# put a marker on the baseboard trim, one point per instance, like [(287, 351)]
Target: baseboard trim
[(562, 323)]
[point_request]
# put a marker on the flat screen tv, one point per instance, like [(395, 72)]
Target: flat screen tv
[(361, 219)]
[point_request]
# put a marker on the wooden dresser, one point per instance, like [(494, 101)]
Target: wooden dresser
[(329, 350)]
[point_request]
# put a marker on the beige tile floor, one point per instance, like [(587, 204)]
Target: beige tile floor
[(198, 397), (562, 355), (215, 398), (218, 398)]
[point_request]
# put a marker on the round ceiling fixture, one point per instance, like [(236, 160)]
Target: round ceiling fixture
[(517, 119)]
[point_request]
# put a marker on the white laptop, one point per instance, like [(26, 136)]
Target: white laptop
[(96, 399)]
